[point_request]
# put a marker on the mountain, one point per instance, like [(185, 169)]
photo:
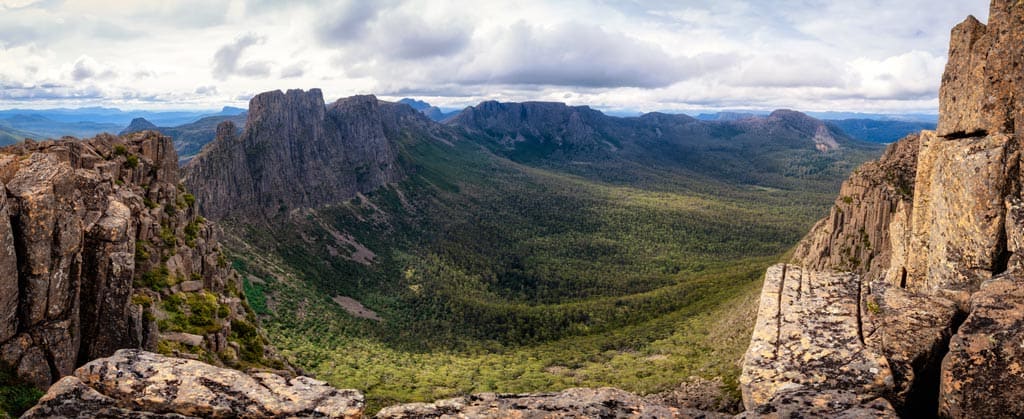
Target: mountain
[(432, 112), (913, 281), (369, 235), (10, 136), (106, 117), (102, 249), (138, 125), (49, 128), (880, 131), (295, 152), (191, 137)]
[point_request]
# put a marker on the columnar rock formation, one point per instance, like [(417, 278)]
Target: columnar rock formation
[(95, 237), (932, 236), (295, 152)]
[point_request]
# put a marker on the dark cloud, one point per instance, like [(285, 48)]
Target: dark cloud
[(293, 71), (583, 56), (411, 38), (86, 68), (350, 21), (226, 61)]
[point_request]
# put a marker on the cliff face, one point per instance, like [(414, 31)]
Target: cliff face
[(102, 249), (932, 237), (295, 152)]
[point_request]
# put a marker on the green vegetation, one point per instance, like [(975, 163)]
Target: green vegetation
[(491, 275), (131, 162), (197, 313), (16, 397)]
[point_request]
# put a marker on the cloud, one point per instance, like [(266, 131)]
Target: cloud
[(226, 61), (294, 71), (580, 55), (86, 68), (350, 21), (206, 90)]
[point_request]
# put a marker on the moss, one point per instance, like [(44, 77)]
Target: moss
[(249, 341), (874, 308), (16, 396), (158, 278), (142, 300), (192, 231), (167, 236), (847, 199)]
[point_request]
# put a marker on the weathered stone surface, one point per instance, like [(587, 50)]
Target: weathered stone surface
[(912, 331), (134, 383), (957, 222), (571, 403), (8, 274), (983, 374), (808, 336), (981, 87), (821, 404), (961, 97), (854, 236), (82, 223), (297, 153)]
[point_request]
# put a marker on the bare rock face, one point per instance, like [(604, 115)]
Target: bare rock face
[(821, 404), (138, 384), (955, 238), (809, 336), (983, 374), (981, 88), (912, 331), (295, 152), (572, 403), (855, 235), (94, 234), (950, 249)]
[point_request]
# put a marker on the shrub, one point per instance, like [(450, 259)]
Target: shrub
[(132, 162), (16, 397)]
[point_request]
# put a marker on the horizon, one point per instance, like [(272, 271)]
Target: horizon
[(619, 57)]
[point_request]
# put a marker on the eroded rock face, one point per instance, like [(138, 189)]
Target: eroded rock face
[(93, 233), (809, 336), (295, 152), (854, 237), (138, 384), (574, 403), (983, 374), (821, 404)]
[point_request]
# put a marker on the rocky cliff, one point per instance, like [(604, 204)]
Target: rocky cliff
[(909, 292), (101, 248), (295, 152)]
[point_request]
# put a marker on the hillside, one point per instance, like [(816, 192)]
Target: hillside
[(440, 267)]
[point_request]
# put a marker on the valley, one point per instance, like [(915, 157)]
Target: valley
[(580, 264)]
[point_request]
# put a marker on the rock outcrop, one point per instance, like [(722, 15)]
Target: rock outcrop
[(931, 235), (95, 237), (138, 384), (295, 152), (572, 403)]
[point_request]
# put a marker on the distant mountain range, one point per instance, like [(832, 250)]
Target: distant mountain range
[(191, 137), (432, 112), (18, 124)]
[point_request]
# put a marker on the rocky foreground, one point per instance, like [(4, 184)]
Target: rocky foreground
[(908, 299)]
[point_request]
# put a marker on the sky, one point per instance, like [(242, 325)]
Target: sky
[(883, 56)]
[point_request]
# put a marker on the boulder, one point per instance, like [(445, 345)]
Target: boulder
[(138, 384)]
